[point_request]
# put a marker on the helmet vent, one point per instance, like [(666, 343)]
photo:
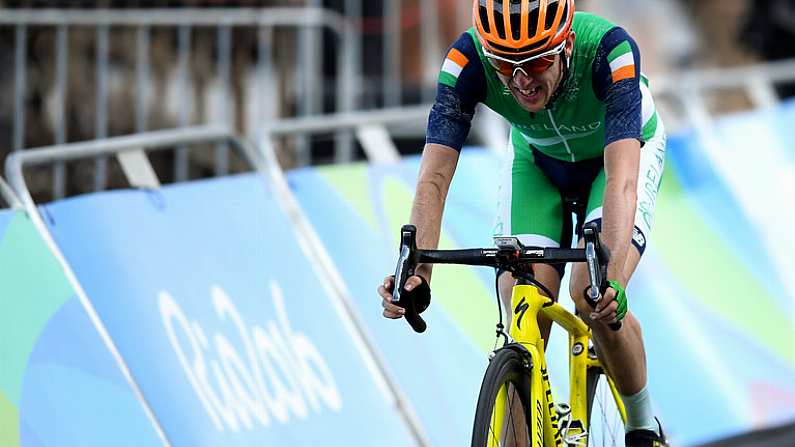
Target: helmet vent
[(484, 18), (516, 26), (532, 22), (499, 22), (552, 12)]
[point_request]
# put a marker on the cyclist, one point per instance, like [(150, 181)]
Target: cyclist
[(584, 130)]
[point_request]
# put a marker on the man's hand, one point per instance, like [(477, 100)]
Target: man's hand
[(385, 291), (613, 305)]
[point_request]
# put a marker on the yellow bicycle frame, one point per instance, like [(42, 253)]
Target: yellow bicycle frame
[(526, 303)]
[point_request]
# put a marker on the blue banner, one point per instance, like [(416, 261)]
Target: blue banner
[(225, 326), (59, 384)]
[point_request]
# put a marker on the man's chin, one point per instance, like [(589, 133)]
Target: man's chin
[(530, 106)]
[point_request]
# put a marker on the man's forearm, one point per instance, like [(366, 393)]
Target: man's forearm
[(618, 217), (426, 215), (436, 172)]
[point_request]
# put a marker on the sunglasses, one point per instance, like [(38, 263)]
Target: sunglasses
[(532, 65)]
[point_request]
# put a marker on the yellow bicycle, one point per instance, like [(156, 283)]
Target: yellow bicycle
[(515, 406)]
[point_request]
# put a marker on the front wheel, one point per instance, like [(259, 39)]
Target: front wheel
[(606, 424), (501, 414)]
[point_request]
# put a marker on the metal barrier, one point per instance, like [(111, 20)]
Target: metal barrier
[(309, 22), (375, 147), (8, 195), (352, 88), (131, 151), (18, 160), (689, 89)]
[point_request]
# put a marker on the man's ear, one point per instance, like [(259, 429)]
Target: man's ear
[(570, 43)]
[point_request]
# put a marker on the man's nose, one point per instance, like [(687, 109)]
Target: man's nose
[(521, 78)]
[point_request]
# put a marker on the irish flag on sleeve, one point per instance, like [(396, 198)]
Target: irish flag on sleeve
[(453, 65), (622, 62)]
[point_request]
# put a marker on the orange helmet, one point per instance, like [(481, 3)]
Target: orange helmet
[(522, 28)]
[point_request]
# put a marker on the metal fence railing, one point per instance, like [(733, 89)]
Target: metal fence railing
[(9, 198), (307, 81)]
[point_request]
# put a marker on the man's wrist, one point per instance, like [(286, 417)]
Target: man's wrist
[(424, 271), (617, 276)]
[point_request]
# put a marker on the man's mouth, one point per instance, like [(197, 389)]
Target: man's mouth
[(531, 93)]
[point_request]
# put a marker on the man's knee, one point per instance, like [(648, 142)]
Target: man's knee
[(577, 289)]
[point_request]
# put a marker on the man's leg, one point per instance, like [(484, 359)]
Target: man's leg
[(621, 351), (529, 208)]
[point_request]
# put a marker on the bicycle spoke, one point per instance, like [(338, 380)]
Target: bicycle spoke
[(510, 413), (500, 419), (494, 436), (609, 429)]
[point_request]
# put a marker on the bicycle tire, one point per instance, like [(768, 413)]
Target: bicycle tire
[(507, 367), (607, 429)]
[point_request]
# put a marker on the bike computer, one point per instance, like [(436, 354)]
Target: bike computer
[(511, 243)]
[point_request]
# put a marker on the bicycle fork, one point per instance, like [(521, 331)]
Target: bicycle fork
[(560, 427), (550, 426), (542, 418)]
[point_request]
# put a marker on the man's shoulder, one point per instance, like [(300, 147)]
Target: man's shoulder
[(590, 29), (582, 18), (462, 63), (465, 44)]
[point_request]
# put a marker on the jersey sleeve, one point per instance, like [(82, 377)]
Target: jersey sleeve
[(461, 86), (616, 79)]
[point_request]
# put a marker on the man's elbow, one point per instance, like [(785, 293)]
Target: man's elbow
[(626, 187), (434, 185)]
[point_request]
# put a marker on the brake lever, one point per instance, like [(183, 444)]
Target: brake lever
[(597, 258), (407, 263)]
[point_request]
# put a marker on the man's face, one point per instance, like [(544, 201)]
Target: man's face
[(534, 90)]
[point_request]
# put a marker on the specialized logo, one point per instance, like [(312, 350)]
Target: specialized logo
[(520, 310), (279, 373)]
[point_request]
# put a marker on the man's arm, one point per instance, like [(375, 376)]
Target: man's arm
[(461, 86), (622, 158), (437, 167), (616, 77)]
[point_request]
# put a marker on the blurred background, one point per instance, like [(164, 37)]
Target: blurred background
[(82, 70), (326, 94)]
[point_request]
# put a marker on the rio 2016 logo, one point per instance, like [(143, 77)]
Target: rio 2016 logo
[(279, 373)]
